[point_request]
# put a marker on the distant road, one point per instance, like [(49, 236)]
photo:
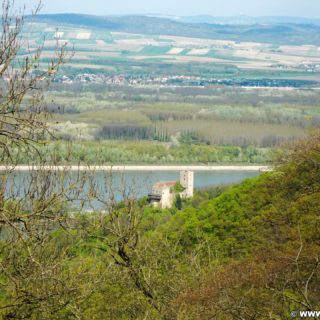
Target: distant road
[(150, 168)]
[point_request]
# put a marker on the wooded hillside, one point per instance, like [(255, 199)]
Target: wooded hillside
[(249, 251)]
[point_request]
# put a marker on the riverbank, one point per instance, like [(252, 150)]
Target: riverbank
[(132, 168)]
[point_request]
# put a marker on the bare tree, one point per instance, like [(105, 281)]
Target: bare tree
[(37, 277), (35, 281), (22, 81)]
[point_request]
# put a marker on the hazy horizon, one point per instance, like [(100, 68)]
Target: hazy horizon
[(285, 8)]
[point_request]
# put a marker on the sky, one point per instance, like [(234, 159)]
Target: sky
[(297, 8)]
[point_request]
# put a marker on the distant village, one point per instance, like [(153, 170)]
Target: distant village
[(178, 80)]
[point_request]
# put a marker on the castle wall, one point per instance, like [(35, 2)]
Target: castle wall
[(167, 199)]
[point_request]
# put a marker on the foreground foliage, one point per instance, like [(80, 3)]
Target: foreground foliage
[(246, 252)]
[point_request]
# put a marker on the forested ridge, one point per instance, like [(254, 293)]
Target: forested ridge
[(249, 251)]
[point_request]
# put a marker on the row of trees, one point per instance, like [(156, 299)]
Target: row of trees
[(124, 132), (147, 152)]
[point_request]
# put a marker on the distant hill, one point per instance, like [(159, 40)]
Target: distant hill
[(246, 20), (277, 33)]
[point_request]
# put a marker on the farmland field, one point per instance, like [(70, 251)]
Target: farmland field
[(171, 91), (284, 60)]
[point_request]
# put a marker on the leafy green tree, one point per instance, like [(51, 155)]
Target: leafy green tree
[(178, 202)]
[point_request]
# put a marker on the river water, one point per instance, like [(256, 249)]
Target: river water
[(135, 184)]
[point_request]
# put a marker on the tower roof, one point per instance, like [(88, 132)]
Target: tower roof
[(164, 185)]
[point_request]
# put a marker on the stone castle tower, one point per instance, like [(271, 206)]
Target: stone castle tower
[(187, 181), (163, 194)]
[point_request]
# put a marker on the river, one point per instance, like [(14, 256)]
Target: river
[(135, 183)]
